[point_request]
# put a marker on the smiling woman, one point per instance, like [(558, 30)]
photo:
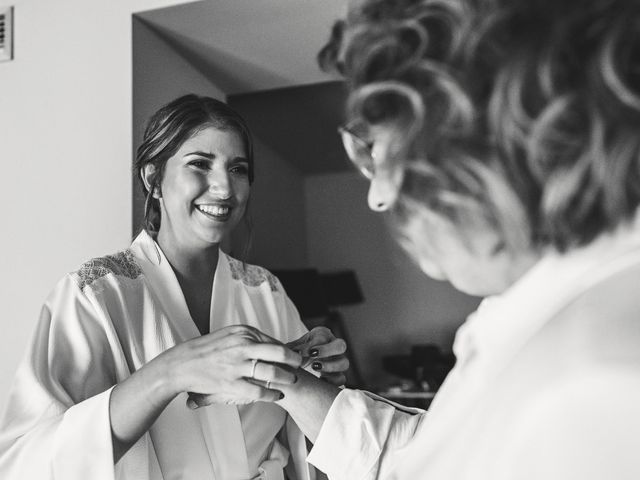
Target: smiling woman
[(130, 345), (205, 188)]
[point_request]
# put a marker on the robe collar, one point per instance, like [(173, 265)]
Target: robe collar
[(165, 284), (228, 450)]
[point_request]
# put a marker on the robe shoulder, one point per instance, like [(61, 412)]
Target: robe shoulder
[(120, 264), (252, 275)]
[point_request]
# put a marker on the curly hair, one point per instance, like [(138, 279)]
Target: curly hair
[(525, 110), (169, 128)]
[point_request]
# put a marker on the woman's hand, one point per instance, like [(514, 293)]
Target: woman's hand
[(233, 365), (325, 353)]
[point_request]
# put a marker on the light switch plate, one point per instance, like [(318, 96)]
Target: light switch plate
[(6, 34)]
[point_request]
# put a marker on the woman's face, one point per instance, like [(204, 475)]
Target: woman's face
[(204, 190), (473, 259)]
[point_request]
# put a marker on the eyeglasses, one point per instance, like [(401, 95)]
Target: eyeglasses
[(359, 150)]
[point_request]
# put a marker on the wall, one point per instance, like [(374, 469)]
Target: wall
[(278, 211), (159, 75), (65, 147), (277, 204), (402, 306)]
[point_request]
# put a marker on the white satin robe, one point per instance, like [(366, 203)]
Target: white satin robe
[(107, 320)]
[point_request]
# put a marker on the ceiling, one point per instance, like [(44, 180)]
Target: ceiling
[(299, 123), (249, 45), (262, 55)]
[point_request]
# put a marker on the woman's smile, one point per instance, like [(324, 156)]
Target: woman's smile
[(218, 212)]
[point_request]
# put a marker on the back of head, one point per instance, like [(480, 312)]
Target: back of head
[(527, 111)]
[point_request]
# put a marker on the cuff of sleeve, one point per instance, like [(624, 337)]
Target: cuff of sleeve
[(352, 436), (82, 448)]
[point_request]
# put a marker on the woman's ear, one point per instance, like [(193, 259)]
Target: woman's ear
[(148, 175)]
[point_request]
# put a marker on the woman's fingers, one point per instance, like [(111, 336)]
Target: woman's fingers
[(315, 336), (269, 352), (332, 348), (331, 365), (274, 374), (319, 343), (233, 366), (235, 334)]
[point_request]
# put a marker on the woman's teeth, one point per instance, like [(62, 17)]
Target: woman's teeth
[(215, 210)]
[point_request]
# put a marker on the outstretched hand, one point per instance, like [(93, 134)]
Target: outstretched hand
[(234, 365), (324, 353)]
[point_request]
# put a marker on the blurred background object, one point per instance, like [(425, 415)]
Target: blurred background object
[(421, 372)]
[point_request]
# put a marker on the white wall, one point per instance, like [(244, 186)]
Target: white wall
[(402, 306), (65, 151)]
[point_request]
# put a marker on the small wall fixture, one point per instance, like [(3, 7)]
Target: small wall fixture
[(6, 34)]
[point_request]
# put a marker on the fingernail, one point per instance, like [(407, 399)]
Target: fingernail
[(295, 379), (191, 404), (316, 366), (281, 396), (314, 352)]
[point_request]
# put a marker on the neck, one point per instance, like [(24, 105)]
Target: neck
[(516, 268), (198, 264)]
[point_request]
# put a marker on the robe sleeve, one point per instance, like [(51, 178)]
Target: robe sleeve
[(289, 315), (361, 435), (56, 424)]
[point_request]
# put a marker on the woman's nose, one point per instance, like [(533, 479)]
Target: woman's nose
[(384, 188), (219, 183)]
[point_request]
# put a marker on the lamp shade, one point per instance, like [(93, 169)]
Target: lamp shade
[(341, 288), (305, 289)]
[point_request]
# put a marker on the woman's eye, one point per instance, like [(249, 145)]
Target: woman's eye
[(201, 164), (239, 169)]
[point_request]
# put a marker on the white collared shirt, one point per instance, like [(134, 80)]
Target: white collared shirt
[(487, 419)]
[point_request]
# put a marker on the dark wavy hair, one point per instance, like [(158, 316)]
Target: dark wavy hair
[(527, 111), (169, 128)]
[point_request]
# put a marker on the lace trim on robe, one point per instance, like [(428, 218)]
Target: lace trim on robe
[(252, 275), (121, 264)]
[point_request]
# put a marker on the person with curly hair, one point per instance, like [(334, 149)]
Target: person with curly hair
[(501, 139)]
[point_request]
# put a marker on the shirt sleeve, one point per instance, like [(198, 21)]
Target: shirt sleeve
[(587, 428), (361, 434), (56, 424)]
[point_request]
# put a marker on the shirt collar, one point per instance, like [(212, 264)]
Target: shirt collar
[(502, 324)]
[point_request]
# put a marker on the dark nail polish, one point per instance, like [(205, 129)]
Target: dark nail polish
[(314, 352), (316, 366), (281, 396)]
